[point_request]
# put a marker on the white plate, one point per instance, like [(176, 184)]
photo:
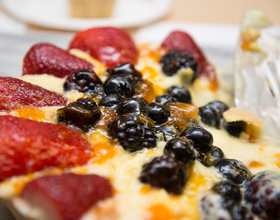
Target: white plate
[(55, 13)]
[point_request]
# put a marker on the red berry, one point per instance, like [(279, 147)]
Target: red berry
[(27, 146), (67, 196), (16, 93), (108, 45), (178, 40), (45, 58)]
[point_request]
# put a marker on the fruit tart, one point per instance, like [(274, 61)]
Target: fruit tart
[(111, 129)]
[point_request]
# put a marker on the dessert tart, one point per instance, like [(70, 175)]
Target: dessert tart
[(109, 129)]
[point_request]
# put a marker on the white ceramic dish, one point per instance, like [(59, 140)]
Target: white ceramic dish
[(55, 13)]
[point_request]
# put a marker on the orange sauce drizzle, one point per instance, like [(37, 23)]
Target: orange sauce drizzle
[(160, 212), (32, 113), (256, 164), (145, 90), (103, 152)]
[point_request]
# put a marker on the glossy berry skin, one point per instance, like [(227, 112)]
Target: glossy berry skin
[(169, 131), (125, 68), (158, 112), (174, 60), (83, 113), (45, 58), (111, 101), (209, 116), (179, 93), (122, 84), (163, 99), (16, 93), (107, 44), (132, 106), (201, 139), (262, 194), (180, 149), (210, 158), (233, 170), (67, 196), (133, 135), (219, 106), (38, 146), (234, 128), (165, 172), (97, 92), (81, 80)]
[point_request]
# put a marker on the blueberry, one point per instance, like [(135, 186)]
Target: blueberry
[(181, 150), (209, 116), (210, 158), (234, 128), (233, 170), (97, 92), (169, 131), (81, 80), (165, 172), (111, 101), (125, 68), (219, 106), (83, 113), (122, 84), (158, 112), (179, 94), (132, 106), (201, 138), (163, 99)]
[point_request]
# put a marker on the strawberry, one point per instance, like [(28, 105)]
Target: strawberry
[(178, 40), (16, 93), (67, 196), (46, 58), (107, 44), (27, 146)]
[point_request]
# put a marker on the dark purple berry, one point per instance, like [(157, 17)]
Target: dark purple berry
[(201, 139), (181, 150), (179, 94), (81, 80), (209, 116), (175, 60), (122, 84), (234, 128), (165, 172), (210, 158), (133, 135), (125, 68), (169, 131), (233, 170), (158, 112), (83, 113), (132, 106), (96, 92), (163, 99), (111, 101), (219, 106)]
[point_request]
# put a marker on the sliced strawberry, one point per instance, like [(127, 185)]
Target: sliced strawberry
[(16, 93), (178, 40), (27, 146), (47, 58), (67, 196), (107, 44)]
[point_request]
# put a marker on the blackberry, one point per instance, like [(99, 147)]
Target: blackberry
[(210, 158), (163, 99), (132, 106), (201, 139), (158, 112), (209, 116), (175, 60), (96, 92), (83, 113), (81, 80), (234, 128), (179, 93), (262, 194), (133, 135), (111, 101), (122, 84), (125, 68), (165, 172), (233, 170), (181, 150), (219, 106)]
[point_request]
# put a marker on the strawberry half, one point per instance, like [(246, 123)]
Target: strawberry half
[(107, 44), (67, 196), (16, 93), (45, 58), (27, 146), (178, 40)]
